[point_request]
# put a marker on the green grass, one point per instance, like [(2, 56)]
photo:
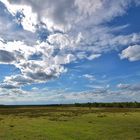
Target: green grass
[(69, 123)]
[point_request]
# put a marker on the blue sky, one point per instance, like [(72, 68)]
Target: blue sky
[(61, 51)]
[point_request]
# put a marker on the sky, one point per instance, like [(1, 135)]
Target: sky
[(69, 51)]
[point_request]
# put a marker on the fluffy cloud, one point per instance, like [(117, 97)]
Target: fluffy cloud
[(63, 14), (23, 14), (53, 13), (10, 28), (132, 53), (36, 63)]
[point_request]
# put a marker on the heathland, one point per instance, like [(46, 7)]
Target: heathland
[(69, 123)]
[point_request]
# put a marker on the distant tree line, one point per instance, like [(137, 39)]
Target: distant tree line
[(114, 104), (94, 104)]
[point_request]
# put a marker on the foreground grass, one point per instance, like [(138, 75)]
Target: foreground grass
[(69, 123)]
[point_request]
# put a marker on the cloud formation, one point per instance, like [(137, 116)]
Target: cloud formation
[(41, 37), (41, 96), (132, 53), (129, 87)]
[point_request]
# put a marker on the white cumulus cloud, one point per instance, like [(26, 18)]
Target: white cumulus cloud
[(131, 53)]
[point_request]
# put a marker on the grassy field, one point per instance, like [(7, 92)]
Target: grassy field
[(69, 123)]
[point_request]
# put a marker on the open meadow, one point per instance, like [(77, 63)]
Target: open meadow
[(69, 123)]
